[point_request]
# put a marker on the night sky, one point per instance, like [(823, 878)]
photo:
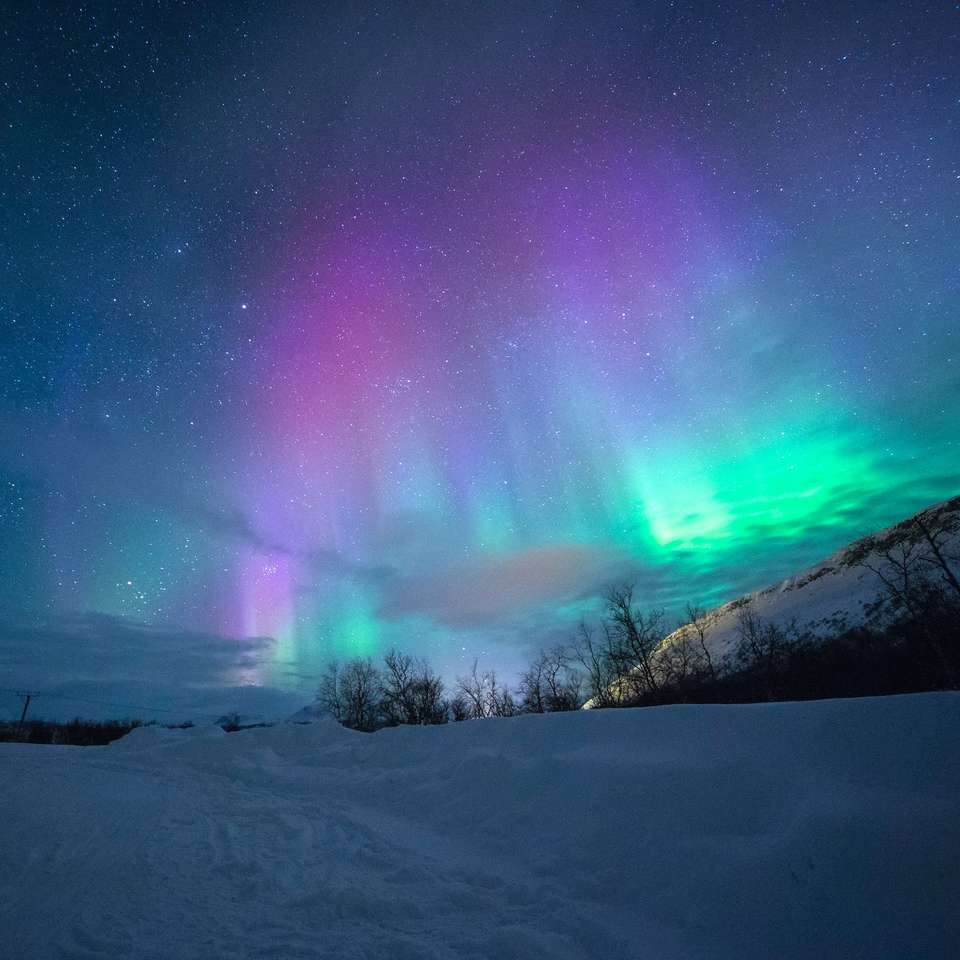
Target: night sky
[(327, 327)]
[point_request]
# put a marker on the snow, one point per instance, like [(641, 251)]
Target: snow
[(834, 588), (825, 829)]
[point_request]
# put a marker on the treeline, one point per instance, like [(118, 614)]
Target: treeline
[(915, 652), (365, 695), (910, 642), (74, 733)]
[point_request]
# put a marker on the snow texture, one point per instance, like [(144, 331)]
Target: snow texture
[(791, 830)]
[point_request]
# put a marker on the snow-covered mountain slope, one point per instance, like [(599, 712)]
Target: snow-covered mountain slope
[(790, 830), (838, 587)]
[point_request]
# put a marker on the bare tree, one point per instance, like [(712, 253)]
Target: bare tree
[(398, 702), (904, 558), (564, 683), (638, 636), (533, 698), (699, 624), (898, 566), (472, 689), (551, 683), (352, 693), (458, 708), (679, 661), (764, 649), (430, 706), (328, 693), (484, 695), (502, 702), (603, 667), (940, 532), (361, 686), (915, 563), (425, 703)]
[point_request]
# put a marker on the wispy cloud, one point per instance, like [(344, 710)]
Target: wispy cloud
[(501, 586), (96, 665)]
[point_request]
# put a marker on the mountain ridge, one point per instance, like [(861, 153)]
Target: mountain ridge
[(838, 589)]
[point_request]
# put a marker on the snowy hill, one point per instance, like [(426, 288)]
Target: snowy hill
[(838, 587), (791, 830)]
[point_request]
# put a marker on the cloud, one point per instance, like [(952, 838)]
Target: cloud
[(498, 587), (96, 665)]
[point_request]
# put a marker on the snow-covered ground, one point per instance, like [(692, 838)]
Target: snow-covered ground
[(821, 830)]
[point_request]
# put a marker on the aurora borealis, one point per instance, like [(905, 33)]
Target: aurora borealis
[(351, 325)]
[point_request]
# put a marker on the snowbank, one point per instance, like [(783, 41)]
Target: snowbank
[(819, 830)]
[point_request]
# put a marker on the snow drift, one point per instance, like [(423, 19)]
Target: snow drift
[(825, 829)]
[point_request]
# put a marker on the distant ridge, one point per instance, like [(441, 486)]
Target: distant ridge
[(837, 588)]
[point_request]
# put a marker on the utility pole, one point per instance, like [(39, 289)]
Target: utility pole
[(27, 697)]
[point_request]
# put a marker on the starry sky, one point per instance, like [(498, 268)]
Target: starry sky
[(328, 327)]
